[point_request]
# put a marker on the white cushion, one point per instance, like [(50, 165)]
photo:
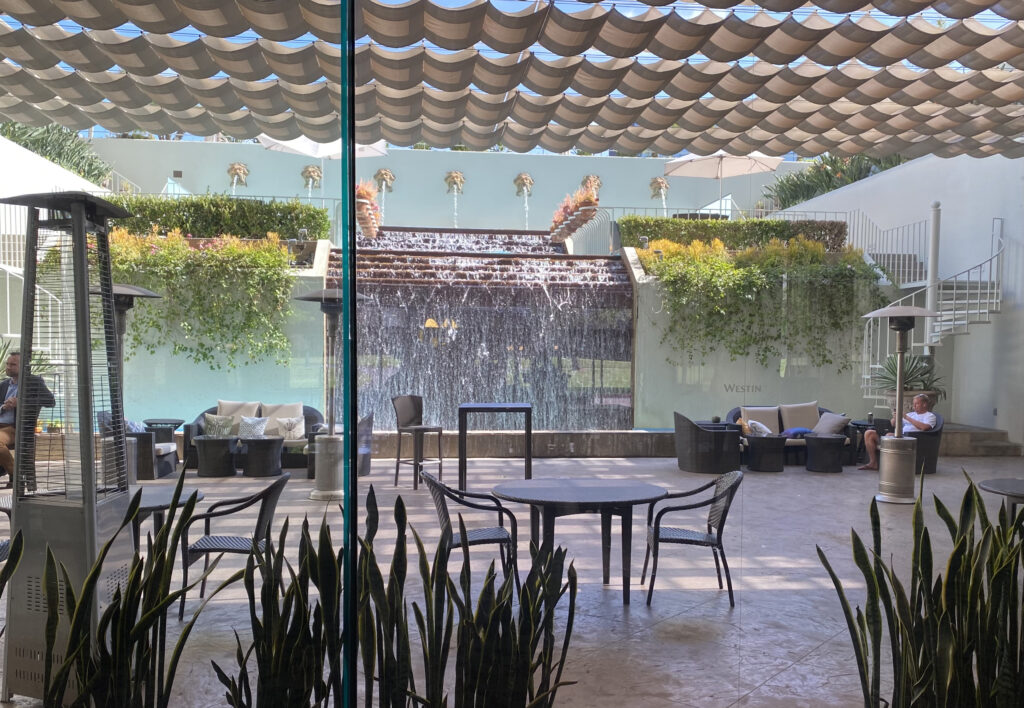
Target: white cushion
[(165, 448), (273, 412), (292, 428), (768, 415), (758, 429), (799, 415), (236, 409), (831, 424)]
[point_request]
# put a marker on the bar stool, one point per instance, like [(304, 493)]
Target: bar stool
[(409, 412)]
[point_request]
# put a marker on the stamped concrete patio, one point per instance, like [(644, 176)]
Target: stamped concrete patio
[(784, 644)]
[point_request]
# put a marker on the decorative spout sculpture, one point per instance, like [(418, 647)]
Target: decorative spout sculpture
[(238, 172), (592, 183), (311, 176), (659, 189), (455, 182), (524, 188), (384, 178)]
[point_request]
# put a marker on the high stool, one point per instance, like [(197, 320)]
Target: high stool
[(409, 412)]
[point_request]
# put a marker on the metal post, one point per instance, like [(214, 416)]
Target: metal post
[(932, 298), (901, 350)]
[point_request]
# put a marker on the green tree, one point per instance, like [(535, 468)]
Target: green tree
[(60, 145), (826, 173)]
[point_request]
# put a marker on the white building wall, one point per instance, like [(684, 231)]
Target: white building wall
[(987, 373)]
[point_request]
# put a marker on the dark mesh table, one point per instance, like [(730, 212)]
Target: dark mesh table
[(262, 455), (162, 428), (216, 455), (767, 453), (825, 452)]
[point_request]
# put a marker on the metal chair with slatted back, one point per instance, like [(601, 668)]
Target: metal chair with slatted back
[(718, 509), (505, 538), (210, 543), (409, 413)]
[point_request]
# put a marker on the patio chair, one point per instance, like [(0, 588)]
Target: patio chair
[(711, 451), (208, 543), (409, 413), (718, 509), (928, 441), (505, 538)]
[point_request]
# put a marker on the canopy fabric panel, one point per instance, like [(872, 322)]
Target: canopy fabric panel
[(774, 76)]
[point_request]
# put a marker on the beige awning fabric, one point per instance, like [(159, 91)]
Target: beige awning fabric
[(774, 76)]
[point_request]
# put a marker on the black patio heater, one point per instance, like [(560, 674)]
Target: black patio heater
[(897, 454), (330, 448)]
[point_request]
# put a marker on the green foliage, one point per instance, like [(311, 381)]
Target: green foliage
[(734, 234), (505, 656), (123, 664), (14, 552), (784, 299), (825, 174), (214, 215), (60, 145), (41, 364), (918, 375), (222, 304), (954, 639), (297, 637)]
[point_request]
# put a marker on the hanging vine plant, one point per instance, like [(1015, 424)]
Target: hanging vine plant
[(223, 302), (782, 300)]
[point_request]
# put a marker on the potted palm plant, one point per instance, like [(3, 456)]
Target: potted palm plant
[(919, 377)]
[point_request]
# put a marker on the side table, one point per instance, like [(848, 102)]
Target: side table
[(766, 454), (216, 455), (162, 428), (824, 453), (262, 455)]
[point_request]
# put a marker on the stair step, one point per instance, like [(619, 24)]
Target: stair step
[(973, 441)]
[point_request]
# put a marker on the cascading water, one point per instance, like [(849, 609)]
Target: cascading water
[(462, 316)]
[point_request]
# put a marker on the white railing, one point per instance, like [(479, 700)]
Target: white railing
[(49, 312), (119, 184), (597, 237), (971, 296), (12, 235), (902, 251)]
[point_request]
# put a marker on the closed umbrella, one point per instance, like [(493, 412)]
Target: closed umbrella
[(721, 165)]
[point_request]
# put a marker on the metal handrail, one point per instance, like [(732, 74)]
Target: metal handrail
[(970, 296), (49, 314)]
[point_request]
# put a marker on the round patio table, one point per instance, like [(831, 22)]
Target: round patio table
[(156, 499), (1011, 488), (824, 453), (216, 455), (262, 455), (766, 453), (561, 496), (163, 428)]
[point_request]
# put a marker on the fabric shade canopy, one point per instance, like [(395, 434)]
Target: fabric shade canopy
[(760, 75)]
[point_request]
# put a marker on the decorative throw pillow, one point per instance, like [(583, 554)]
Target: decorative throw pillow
[(134, 426), (217, 425), (274, 412), (758, 430), (831, 424), (796, 432), (251, 427), (292, 428), (236, 409), (744, 428)]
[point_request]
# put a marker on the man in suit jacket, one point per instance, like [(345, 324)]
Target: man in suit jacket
[(33, 395)]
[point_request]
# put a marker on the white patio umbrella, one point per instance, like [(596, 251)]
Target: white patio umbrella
[(321, 151), (721, 165)]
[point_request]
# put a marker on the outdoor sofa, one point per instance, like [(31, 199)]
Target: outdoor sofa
[(296, 450), (799, 417)]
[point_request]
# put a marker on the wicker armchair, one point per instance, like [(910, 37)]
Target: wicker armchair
[(505, 538), (718, 509), (928, 446), (704, 450)]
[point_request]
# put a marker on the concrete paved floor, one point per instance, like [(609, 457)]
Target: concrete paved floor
[(784, 644)]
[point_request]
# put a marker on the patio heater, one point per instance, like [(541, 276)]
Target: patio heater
[(897, 454), (124, 300), (330, 448), (70, 489)]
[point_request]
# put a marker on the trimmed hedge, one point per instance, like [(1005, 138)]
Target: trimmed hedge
[(735, 235), (213, 215)]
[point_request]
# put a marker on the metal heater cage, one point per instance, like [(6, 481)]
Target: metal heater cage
[(71, 470)]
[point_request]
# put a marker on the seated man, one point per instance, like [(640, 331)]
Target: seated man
[(918, 419), (33, 393)]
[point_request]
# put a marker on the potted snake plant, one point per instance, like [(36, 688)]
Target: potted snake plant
[(919, 376)]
